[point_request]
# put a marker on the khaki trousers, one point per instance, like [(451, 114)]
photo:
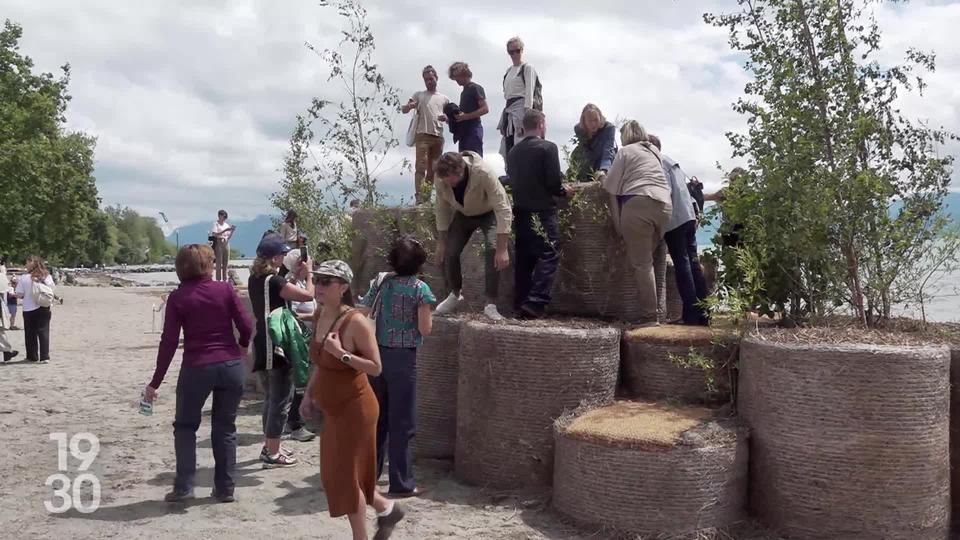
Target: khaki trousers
[(642, 220), (428, 149)]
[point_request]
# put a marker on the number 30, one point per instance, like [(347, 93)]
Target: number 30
[(64, 493)]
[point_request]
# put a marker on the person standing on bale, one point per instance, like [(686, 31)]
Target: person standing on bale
[(640, 206), (428, 142), (596, 143), (521, 89), (470, 197), (344, 350), (221, 232), (681, 240), (473, 105), (533, 166), (400, 306)]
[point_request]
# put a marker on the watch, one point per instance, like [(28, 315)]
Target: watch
[(346, 358)]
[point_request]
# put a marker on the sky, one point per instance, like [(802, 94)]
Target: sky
[(192, 103)]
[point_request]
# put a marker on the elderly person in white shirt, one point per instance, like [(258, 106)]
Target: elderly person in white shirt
[(5, 347)]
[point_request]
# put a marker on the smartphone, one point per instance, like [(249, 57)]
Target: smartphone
[(303, 253)]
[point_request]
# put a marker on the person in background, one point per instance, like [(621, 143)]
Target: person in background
[(521, 89), (5, 347), (207, 311), (221, 231), (401, 308), (428, 105), (344, 350), (640, 206), (681, 240), (269, 291), (533, 166), (289, 230), (11, 302), (596, 143), (36, 318), (293, 269), (473, 106), (470, 197)]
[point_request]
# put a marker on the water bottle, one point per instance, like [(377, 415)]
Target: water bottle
[(146, 407)]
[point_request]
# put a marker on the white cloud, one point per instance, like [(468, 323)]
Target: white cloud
[(192, 103)]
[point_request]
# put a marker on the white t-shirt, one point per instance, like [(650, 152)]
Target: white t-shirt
[(220, 228), (516, 86), (25, 289), (429, 109)]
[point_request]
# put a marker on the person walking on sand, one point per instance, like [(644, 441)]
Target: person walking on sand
[(400, 306), (221, 233), (344, 349), (207, 311), (428, 141), (473, 106), (269, 291), (5, 347), (32, 288), (11, 302)]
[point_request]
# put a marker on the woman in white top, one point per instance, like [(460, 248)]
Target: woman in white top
[(5, 347), (520, 84), (221, 233), (289, 230), (36, 318)]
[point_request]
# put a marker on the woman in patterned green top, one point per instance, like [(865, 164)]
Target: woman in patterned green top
[(400, 304)]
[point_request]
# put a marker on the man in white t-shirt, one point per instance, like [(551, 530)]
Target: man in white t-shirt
[(428, 142), (220, 233)]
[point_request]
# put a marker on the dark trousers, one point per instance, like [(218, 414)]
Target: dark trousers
[(278, 390), (471, 138), (461, 229), (36, 333), (396, 390), (225, 381), (682, 244), (537, 256)]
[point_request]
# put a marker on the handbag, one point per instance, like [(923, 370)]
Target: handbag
[(412, 128)]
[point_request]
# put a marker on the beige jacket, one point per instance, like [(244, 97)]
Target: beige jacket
[(637, 170), (484, 193)]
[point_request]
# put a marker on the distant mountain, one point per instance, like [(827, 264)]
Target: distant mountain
[(244, 240)]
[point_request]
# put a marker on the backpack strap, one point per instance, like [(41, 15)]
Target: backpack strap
[(266, 321)]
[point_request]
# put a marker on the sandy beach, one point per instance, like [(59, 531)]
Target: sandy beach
[(102, 352)]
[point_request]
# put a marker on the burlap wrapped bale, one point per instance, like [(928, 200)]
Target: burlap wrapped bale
[(656, 363), (437, 367), (514, 381), (955, 431), (595, 277), (474, 279), (848, 441), (673, 300), (650, 469)]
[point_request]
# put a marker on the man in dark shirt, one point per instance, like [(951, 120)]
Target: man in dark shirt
[(473, 105), (533, 166)]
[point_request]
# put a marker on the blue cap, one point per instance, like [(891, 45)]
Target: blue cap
[(272, 245)]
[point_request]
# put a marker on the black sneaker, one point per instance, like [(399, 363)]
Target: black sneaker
[(7, 356), (178, 496), (225, 496), (386, 523), (278, 461)]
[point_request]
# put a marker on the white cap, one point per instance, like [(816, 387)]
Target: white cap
[(291, 259)]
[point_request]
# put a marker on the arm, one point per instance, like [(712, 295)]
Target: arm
[(443, 213), (365, 355), (291, 292), (241, 319), (168, 341), (716, 196), (497, 196), (607, 146), (425, 319), (611, 181), (411, 104), (553, 176), (484, 109), (21, 290), (530, 80)]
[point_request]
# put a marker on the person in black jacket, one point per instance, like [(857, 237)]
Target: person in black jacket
[(533, 166)]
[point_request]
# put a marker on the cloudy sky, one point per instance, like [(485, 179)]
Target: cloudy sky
[(193, 102)]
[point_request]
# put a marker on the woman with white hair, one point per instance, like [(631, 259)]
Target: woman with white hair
[(521, 88), (640, 206)]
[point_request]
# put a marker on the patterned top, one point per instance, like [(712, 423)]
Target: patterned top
[(397, 321)]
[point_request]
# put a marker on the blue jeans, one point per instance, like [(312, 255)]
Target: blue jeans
[(538, 256), (278, 395), (682, 244), (225, 381), (471, 139), (396, 390)]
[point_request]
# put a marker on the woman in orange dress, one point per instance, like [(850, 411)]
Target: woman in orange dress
[(344, 348)]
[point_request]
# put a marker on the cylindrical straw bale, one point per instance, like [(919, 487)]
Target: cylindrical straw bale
[(955, 430), (674, 301), (651, 469), (474, 271), (688, 363), (848, 440), (514, 381), (437, 367)]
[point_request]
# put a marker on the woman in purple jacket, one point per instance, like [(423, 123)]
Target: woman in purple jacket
[(207, 311)]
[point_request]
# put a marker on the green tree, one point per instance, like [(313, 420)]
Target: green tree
[(139, 239), (842, 193)]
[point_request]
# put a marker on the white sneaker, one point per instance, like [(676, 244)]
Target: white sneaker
[(449, 305), (490, 310)]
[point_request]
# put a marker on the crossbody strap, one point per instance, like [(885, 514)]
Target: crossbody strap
[(266, 321)]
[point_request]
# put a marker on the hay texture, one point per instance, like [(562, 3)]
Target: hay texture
[(437, 367), (664, 362), (955, 430), (514, 382), (673, 300), (848, 441), (650, 469), (595, 277)]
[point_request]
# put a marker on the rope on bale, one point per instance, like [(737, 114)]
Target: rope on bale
[(688, 363), (650, 469), (437, 367), (848, 441), (514, 381)]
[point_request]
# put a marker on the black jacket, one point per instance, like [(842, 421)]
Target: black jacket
[(533, 166)]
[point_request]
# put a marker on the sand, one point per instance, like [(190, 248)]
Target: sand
[(102, 353)]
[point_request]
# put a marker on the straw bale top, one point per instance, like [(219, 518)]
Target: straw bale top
[(673, 334), (643, 425)]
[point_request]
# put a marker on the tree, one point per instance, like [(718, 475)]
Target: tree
[(139, 239), (842, 193)]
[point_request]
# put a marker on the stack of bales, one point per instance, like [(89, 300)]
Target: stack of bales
[(674, 303), (955, 425), (650, 469)]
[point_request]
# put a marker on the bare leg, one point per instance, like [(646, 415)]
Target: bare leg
[(273, 446), (358, 520)]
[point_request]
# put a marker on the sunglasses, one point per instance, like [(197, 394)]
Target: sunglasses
[(514, 51), (325, 280)]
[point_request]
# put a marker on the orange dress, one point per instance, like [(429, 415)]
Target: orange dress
[(348, 445)]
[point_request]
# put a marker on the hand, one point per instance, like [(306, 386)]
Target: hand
[(306, 408), (568, 191), (442, 118), (501, 259), (459, 116), (149, 393), (441, 253), (333, 346), (305, 268)]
